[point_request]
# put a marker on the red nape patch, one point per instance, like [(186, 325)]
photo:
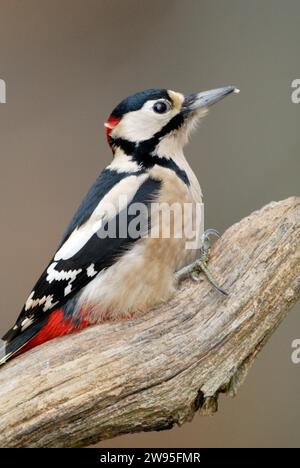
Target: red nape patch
[(57, 325), (110, 124)]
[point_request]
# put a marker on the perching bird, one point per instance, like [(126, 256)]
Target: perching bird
[(95, 277)]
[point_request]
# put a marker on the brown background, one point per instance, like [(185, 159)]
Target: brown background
[(66, 64)]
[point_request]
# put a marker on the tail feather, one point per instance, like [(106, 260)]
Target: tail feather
[(13, 346), (53, 325), (3, 353)]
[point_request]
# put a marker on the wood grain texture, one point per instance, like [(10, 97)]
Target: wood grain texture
[(158, 370)]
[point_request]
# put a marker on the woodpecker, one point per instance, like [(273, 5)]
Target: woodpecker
[(93, 278)]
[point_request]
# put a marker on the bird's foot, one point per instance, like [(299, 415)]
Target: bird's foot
[(201, 264)]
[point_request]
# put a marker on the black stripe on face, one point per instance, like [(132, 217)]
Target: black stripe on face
[(174, 124), (147, 147), (143, 153), (129, 147)]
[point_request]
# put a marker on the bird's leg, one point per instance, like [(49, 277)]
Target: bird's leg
[(200, 264)]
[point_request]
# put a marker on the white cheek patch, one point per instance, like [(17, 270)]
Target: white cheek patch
[(142, 124)]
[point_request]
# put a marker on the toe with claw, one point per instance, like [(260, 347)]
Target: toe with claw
[(201, 264)]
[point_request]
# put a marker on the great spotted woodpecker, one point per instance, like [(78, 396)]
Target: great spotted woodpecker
[(95, 277)]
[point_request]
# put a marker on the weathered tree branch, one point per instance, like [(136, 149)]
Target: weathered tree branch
[(158, 370)]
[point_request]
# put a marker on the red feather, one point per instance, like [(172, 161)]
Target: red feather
[(57, 325), (110, 125)]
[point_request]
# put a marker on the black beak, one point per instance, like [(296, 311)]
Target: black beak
[(196, 101)]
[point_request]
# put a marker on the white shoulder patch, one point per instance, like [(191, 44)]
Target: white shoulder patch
[(110, 205)]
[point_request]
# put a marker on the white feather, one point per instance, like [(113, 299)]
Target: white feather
[(111, 204), (142, 124), (123, 163)]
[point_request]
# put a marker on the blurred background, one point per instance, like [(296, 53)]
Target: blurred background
[(66, 64)]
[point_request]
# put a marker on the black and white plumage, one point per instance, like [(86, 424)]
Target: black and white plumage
[(94, 277)]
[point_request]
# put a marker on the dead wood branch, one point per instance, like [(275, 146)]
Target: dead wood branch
[(158, 370)]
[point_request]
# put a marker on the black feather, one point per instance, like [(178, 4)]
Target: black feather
[(102, 252), (136, 101), (103, 184)]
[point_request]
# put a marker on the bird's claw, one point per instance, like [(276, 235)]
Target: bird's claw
[(206, 243), (195, 276), (200, 265)]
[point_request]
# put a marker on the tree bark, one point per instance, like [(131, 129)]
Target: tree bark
[(159, 369)]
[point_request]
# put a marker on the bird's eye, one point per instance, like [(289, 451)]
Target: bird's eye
[(161, 107)]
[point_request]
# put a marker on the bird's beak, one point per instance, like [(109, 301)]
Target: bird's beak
[(198, 101)]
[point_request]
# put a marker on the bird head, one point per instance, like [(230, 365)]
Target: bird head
[(158, 121)]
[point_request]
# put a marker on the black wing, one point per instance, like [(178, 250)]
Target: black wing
[(64, 278)]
